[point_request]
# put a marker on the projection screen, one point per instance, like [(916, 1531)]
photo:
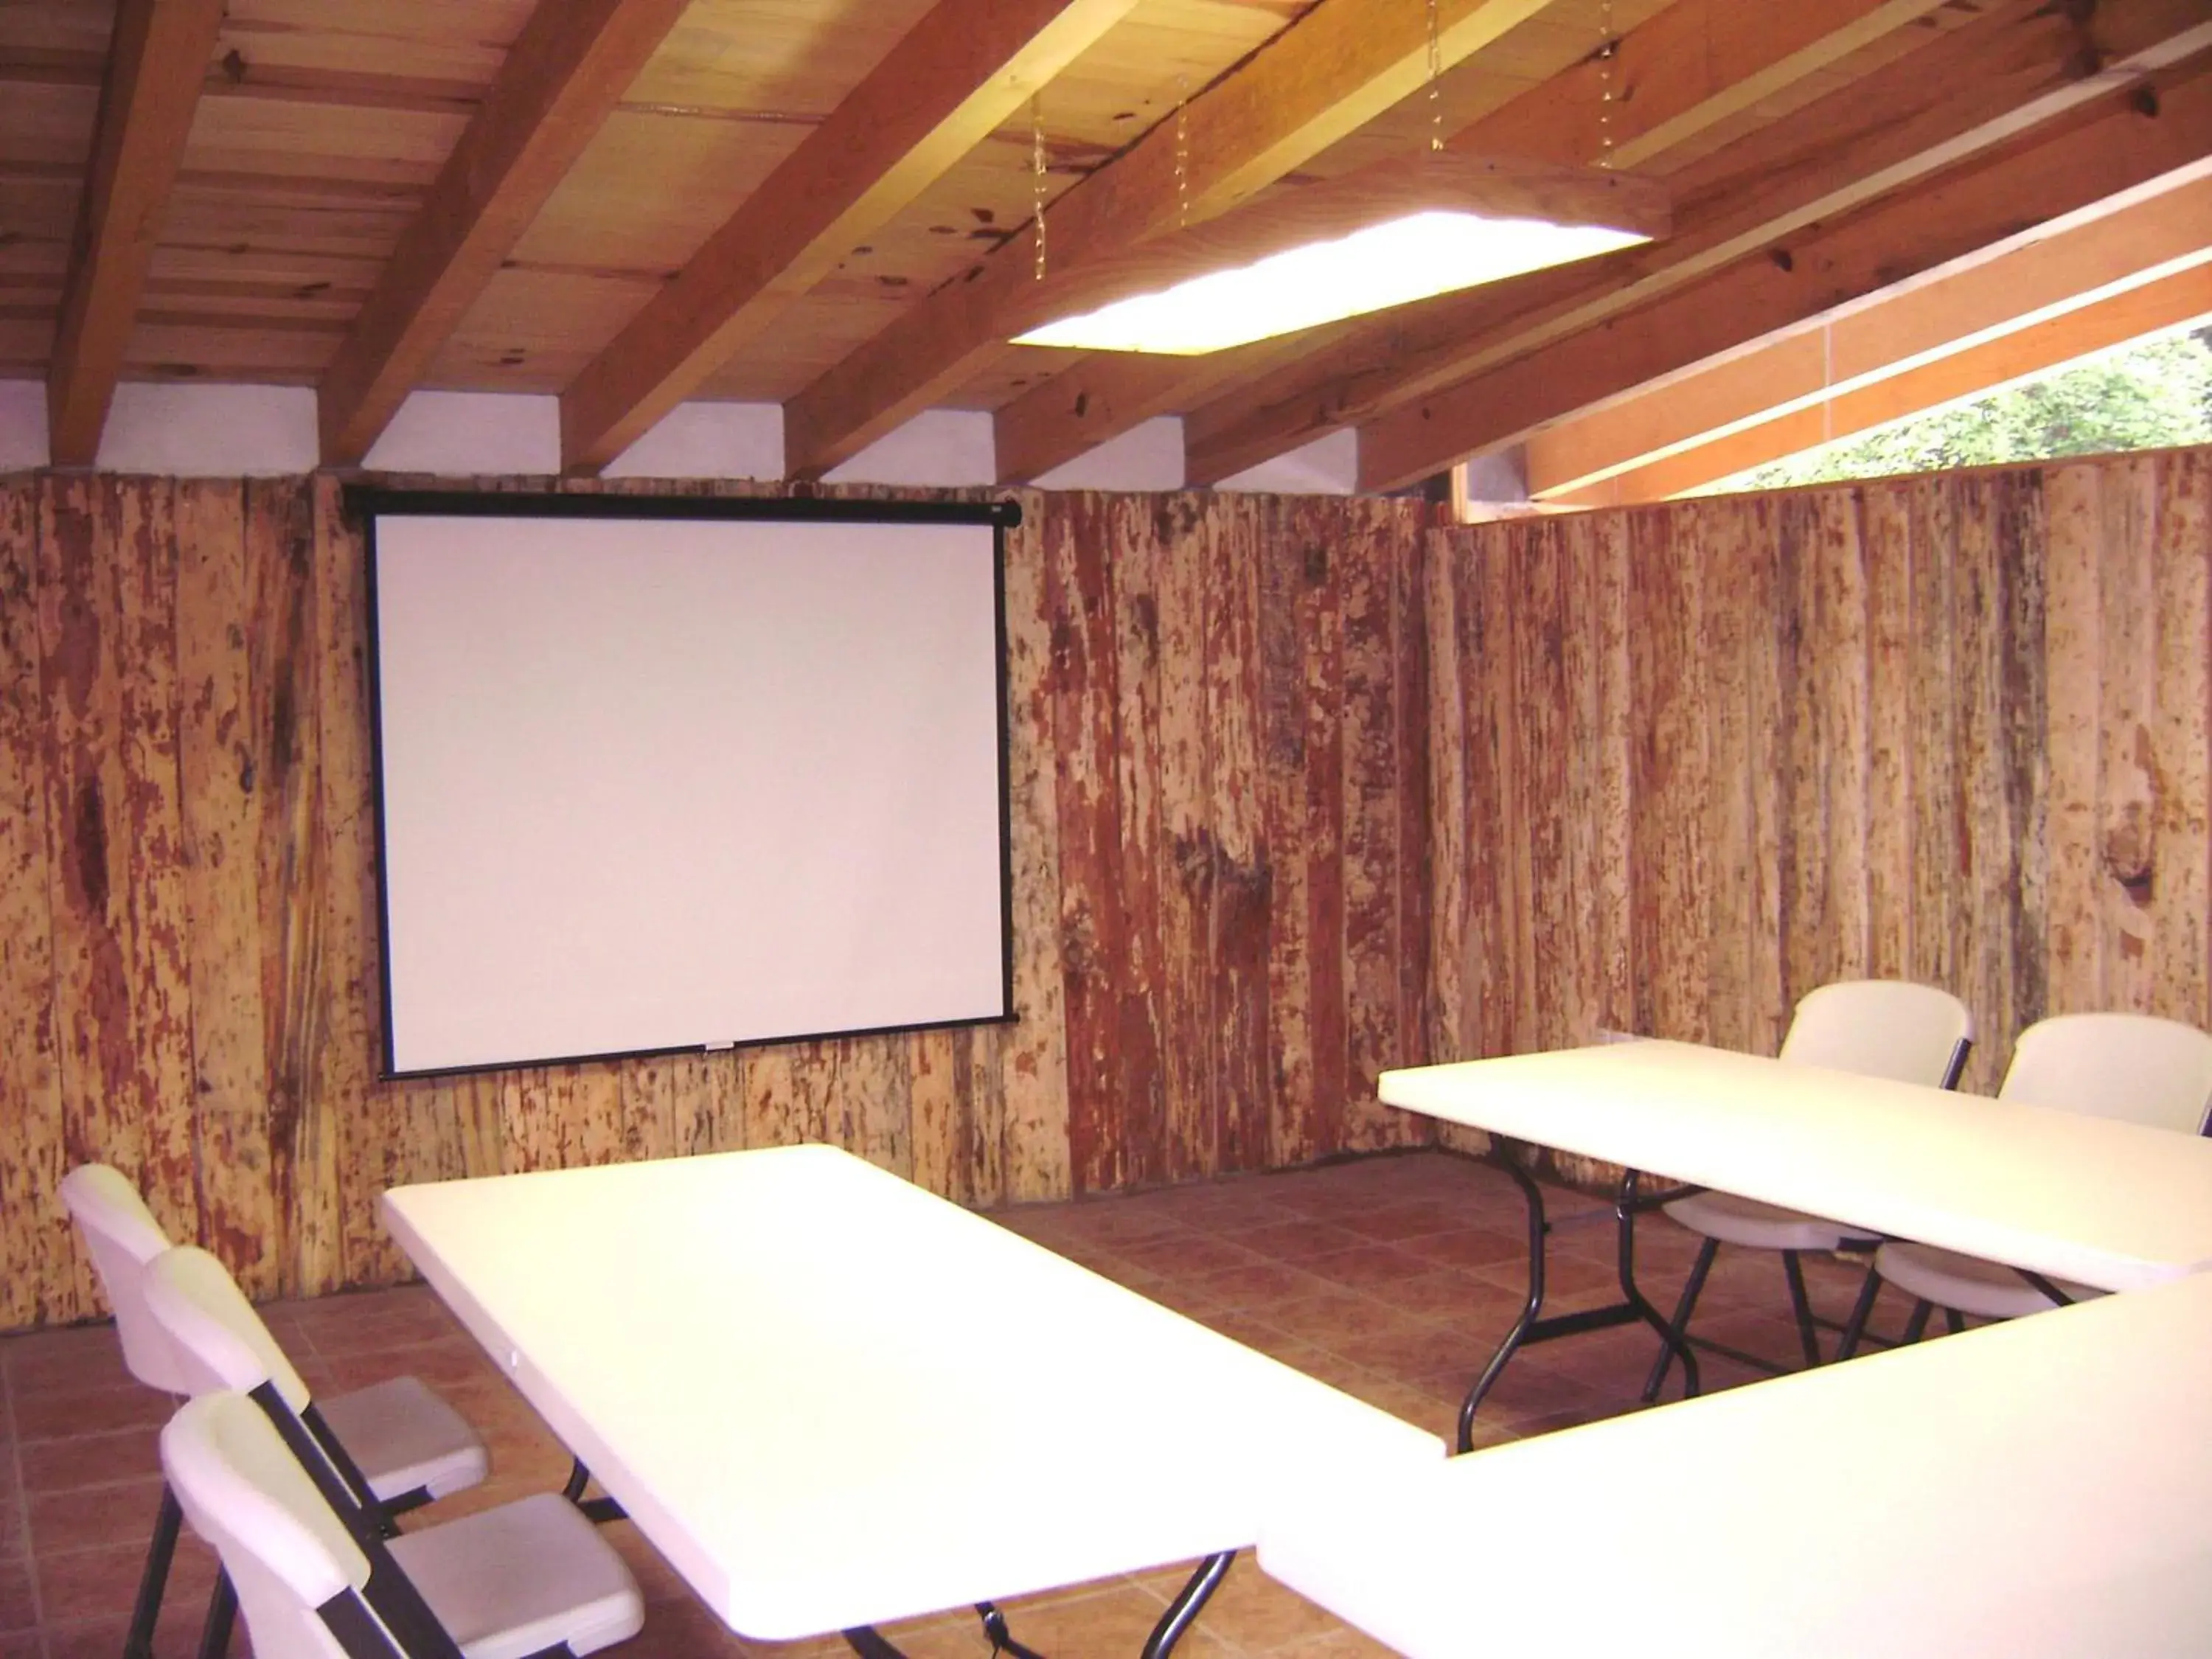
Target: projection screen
[(658, 774)]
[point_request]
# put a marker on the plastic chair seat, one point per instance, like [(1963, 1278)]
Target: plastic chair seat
[(1988, 1290), (406, 1438), (521, 1578), (1737, 1220)]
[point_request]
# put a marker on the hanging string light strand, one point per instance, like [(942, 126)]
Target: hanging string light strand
[(1436, 83), (1608, 49), (1182, 152), (1036, 181)]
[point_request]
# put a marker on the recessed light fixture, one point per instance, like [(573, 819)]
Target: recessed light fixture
[(1318, 253)]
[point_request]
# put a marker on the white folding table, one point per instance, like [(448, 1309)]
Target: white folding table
[(2037, 1489), (2056, 1195), (832, 1399)]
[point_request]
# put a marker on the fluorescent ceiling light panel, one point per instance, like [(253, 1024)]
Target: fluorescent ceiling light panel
[(1386, 265)]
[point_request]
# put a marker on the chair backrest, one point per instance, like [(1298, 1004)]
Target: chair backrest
[(219, 1340), (121, 1236), (287, 1555), (1882, 1028), (2131, 1067)]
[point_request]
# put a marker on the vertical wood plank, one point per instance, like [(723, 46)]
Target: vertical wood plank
[(1495, 830), (940, 1159), (1409, 655), (327, 1165), (1767, 1004), (2181, 742), (1673, 898), (38, 1276), (2073, 653), (1357, 948), (1731, 821), (1613, 785), (1296, 584), (1243, 881), (1841, 678), (219, 764), (1939, 870), (1544, 912), (1450, 1019), (1030, 1090), (1187, 846), (1888, 553), (1133, 551), (2127, 687)]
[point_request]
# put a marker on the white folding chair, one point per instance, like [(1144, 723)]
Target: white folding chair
[(408, 1445), (2131, 1067), (529, 1578), (1873, 1027)]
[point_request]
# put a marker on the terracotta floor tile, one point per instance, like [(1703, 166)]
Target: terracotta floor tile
[(1253, 1612), (176, 1633), (1342, 1642), (19, 1607), (1470, 1247), (1446, 1293), (1187, 1255), (94, 1517), (1300, 1240), (1333, 1317), (81, 1585), (58, 1413), (1112, 1619), (1369, 1265), (1259, 1285)]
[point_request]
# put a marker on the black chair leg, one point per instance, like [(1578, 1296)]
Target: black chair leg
[(1855, 1328), (221, 1614), (1799, 1305), (1917, 1326), (138, 1643), (1690, 1288), (1954, 1320)]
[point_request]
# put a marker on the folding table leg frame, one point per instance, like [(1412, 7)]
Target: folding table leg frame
[(1182, 1612), (598, 1511), (1529, 1328)]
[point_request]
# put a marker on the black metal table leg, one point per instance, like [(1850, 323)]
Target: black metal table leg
[(139, 1643), (598, 1511), (1182, 1612), (1633, 1307)]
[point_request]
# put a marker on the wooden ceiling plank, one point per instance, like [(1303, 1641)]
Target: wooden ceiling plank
[(1695, 63), (154, 71), (1907, 327), (1328, 73), (562, 78), (966, 68), (2114, 145), (2022, 64), (2180, 300)]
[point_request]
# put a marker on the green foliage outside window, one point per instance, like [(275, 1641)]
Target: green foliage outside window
[(2151, 395)]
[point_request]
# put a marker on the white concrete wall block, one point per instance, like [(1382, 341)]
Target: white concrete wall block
[(463, 434), (947, 448), (22, 425), (180, 430), (1327, 466), (708, 439), (1149, 456)]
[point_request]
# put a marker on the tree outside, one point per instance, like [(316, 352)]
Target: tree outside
[(2150, 395)]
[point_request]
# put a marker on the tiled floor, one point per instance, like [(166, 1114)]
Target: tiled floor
[(1391, 1277)]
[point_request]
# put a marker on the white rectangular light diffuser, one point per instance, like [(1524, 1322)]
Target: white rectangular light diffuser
[(1392, 264)]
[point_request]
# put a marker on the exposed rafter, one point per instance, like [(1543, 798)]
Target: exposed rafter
[(2103, 254), (561, 79), (1337, 68), (1686, 70), (961, 71), (154, 71), (1981, 86), (2171, 301), (2123, 140)]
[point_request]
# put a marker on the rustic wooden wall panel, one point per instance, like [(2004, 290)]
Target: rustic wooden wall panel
[(1957, 728), (1217, 778)]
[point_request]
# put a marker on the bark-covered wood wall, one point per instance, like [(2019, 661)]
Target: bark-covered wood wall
[(1218, 785), (1692, 760)]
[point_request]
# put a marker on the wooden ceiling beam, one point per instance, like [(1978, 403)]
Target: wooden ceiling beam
[(2123, 140), (1328, 73), (155, 68), (959, 74), (561, 79), (1677, 75), (1975, 88), (1908, 326), (2179, 300)]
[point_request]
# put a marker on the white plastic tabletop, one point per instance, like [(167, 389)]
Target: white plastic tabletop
[(830, 1398), (2037, 1490), (2104, 1203)]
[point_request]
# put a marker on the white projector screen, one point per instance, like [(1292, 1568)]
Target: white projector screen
[(656, 775)]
